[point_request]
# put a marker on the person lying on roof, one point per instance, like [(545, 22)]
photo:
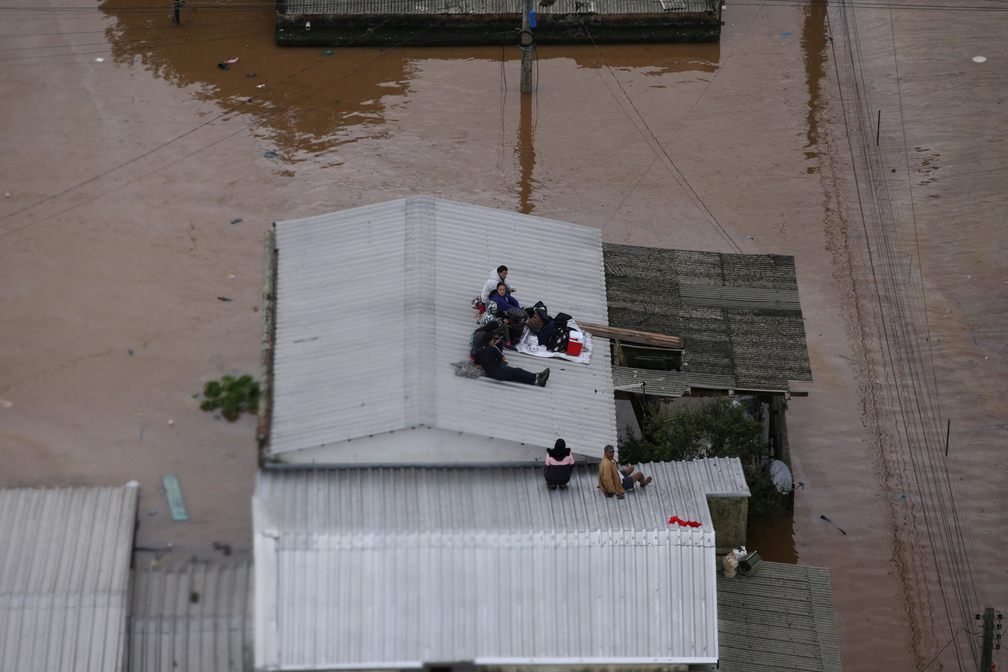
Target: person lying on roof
[(499, 275), (492, 361)]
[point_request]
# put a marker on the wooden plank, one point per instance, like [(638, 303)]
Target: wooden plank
[(632, 336), (174, 494)]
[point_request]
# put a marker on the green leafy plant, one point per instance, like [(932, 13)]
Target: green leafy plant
[(716, 428), (233, 396)]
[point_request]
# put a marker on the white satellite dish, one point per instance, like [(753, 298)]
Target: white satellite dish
[(781, 476)]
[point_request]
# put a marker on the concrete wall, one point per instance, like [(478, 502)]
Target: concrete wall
[(729, 515)]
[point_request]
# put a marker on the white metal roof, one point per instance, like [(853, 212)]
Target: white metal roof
[(397, 567), (719, 476), (373, 307), (64, 574)]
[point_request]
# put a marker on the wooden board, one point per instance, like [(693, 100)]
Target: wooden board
[(631, 336)]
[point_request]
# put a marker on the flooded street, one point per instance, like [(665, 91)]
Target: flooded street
[(142, 177)]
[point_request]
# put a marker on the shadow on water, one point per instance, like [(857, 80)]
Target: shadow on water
[(814, 39), (309, 101), (773, 538)]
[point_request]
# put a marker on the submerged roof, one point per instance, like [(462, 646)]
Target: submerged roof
[(397, 567), (64, 575), (738, 316), (373, 307)]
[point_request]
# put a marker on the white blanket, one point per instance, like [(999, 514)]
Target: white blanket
[(529, 345)]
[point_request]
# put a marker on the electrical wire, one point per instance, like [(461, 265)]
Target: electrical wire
[(678, 175)]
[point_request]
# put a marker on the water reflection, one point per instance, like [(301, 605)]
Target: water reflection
[(525, 152), (773, 538), (813, 42), (310, 101)]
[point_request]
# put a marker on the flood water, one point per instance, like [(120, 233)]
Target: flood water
[(125, 174)]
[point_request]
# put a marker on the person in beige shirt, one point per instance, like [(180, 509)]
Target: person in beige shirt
[(615, 481)]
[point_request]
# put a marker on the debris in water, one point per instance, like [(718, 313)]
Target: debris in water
[(833, 524), (100, 59), (327, 52), (270, 155), (174, 494), (171, 423), (259, 86), (5, 403), (307, 25), (129, 350), (224, 299), (233, 60), (251, 74), (223, 66), (979, 59), (239, 220)]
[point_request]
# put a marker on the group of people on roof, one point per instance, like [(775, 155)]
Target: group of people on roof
[(501, 323), (613, 480)]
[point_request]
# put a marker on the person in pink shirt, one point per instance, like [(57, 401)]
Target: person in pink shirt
[(559, 465)]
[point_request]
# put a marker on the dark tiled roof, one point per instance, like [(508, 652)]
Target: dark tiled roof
[(781, 617), (738, 315)]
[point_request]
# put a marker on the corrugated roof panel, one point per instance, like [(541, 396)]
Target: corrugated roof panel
[(404, 566), (64, 573), (738, 315), (373, 306), (720, 476), (193, 616), (781, 617)]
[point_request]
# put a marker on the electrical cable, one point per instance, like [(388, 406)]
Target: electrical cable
[(698, 202)]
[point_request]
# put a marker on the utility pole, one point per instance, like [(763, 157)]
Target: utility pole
[(987, 646), (175, 15), (525, 41)]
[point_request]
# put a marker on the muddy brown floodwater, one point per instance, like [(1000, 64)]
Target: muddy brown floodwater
[(142, 178)]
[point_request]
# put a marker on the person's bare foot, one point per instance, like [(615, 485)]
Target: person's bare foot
[(645, 481)]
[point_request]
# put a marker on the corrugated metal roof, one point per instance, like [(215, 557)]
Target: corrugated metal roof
[(192, 616), (373, 306), (738, 315), (492, 7), (397, 567), (64, 575), (781, 617), (719, 476)]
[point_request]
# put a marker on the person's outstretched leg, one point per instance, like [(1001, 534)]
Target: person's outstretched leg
[(639, 477)]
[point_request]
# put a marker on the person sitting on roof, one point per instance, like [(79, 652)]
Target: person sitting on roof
[(615, 481), (493, 362), (499, 275), (559, 465), (503, 299), (506, 324)]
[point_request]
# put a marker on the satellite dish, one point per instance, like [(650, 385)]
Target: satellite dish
[(781, 476)]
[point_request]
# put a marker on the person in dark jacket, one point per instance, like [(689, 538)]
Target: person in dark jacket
[(559, 465), (492, 361)]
